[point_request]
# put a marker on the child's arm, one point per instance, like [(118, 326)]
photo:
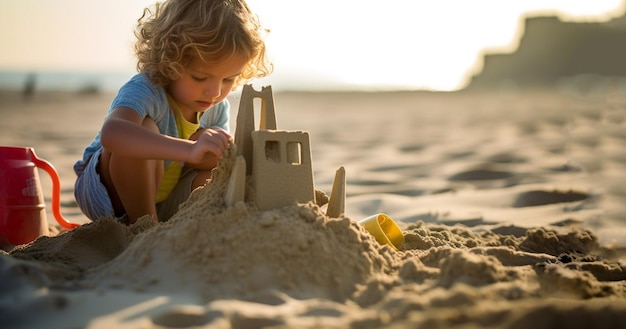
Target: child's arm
[(123, 133)]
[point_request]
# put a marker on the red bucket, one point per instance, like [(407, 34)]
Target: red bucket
[(22, 208)]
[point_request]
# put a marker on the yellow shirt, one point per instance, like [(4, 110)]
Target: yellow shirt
[(171, 175)]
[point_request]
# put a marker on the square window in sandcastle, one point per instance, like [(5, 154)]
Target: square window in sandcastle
[(294, 153), (272, 151)]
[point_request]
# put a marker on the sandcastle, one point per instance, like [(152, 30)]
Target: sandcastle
[(278, 162)]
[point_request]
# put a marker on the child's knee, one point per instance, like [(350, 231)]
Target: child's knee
[(201, 178)]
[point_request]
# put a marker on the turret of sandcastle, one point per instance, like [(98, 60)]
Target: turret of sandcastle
[(277, 161)]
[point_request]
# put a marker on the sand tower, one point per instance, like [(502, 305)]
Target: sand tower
[(277, 161)]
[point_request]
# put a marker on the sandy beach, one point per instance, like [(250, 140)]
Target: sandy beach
[(512, 205)]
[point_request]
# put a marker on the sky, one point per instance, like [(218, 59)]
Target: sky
[(314, 44)]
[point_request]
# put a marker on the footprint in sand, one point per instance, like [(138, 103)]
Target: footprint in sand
[(184, 316), (486, 178), (539, 198), (480, 174), (496, 174), (507, 158)]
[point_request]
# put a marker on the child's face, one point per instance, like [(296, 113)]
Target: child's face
[(204, 84)]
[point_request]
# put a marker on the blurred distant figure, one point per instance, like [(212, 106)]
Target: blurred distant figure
[(29, 86)]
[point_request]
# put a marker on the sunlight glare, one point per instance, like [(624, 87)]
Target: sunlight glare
[(404, 44)]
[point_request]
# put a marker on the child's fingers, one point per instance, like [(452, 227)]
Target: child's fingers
[(216, 144), (221, 135)]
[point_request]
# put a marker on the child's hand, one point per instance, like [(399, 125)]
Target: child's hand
[(209, 148)]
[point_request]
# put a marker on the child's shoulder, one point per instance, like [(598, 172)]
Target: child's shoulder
[(140, 94), (140, 83), (140, 79)]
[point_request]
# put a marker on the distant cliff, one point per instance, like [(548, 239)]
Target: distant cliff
[(551, 49)]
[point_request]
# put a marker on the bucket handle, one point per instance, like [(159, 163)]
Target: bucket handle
[(56, 190)]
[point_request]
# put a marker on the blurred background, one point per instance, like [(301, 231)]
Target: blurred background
[(324, 45)]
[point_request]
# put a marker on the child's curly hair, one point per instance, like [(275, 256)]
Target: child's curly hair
[(181, 31)]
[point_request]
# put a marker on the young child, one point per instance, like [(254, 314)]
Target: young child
[(167, 127)]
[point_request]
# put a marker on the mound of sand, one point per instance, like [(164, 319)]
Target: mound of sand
[(297, 252)]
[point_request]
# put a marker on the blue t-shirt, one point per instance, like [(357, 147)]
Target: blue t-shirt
[(140, 95)]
